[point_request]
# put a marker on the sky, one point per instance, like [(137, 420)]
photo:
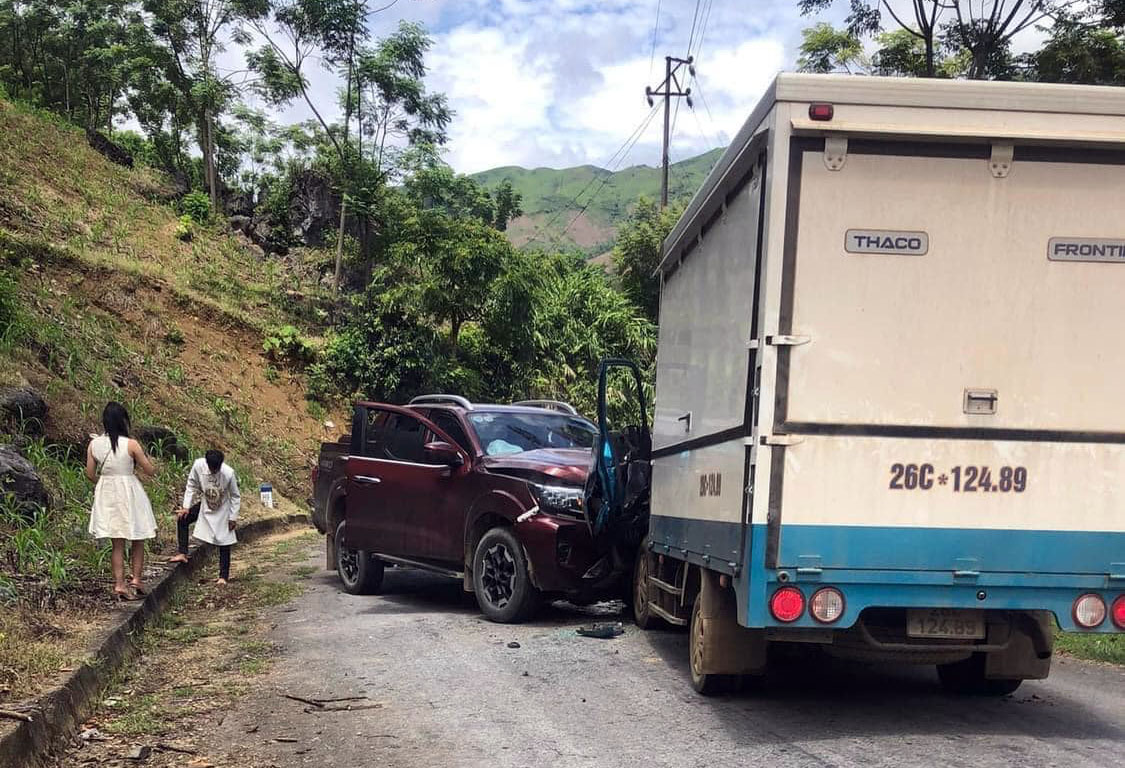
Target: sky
[(559, 83)]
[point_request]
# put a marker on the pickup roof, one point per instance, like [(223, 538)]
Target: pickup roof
[(492, 495)]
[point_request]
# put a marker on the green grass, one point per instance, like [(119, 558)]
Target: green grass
[(304, 571), (1092, 647), (137, 716)]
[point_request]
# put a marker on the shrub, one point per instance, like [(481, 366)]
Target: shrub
[(197, 207), (287, 343), (185, 229)]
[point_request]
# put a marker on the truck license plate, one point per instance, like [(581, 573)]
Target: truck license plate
[(945, 623)]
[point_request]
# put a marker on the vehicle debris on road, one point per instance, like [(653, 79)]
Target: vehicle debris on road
[(603, 631)]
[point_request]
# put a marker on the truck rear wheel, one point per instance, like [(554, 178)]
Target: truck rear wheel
[(501, 579), (704, 683), (359, 572), (967, 678)]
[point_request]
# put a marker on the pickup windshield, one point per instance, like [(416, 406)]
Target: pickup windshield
[(502, 433)]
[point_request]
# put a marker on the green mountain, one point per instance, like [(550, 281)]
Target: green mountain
[(554, 198)]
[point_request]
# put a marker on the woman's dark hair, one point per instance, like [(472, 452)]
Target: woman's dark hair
[(115, 419)]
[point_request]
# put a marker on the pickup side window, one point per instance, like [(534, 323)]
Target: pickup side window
[(449, 424), (373, 434), (405, 438)]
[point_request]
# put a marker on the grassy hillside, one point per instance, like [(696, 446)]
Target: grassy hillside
[(549, 198), (100, 300)]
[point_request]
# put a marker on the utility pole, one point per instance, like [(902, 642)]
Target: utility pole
[(669, 88)]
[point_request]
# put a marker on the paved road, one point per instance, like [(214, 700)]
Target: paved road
[(455, 694)]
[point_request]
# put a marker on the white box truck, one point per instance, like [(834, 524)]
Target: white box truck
[(890, 382)]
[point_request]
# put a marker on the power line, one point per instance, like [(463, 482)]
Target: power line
[(626, 147), (655, 29), (703, 97), (702, 29), (606, 178), (694, 21)]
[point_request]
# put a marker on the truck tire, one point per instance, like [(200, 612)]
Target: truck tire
[(706, 684), (966, 678), (359, 572), (501, 580), (642, 591)]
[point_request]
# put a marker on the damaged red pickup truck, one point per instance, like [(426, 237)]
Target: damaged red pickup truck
[(493, 495)]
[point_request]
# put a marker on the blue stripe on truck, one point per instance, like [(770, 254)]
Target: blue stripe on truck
[(911, 567), (997, 550), (1015, 570)]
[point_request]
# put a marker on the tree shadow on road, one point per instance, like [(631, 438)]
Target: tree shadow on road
[(814, 697)]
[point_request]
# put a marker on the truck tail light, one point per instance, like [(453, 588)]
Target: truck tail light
[(1089, 611), (821, 112), (787, 604), (315, 474), (827, 605), (1119, 612)]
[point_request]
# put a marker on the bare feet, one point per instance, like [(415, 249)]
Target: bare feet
[(221, 582), (178, 559), (123, 594), (138, 587)]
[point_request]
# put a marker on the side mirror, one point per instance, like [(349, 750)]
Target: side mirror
[(441, 452)]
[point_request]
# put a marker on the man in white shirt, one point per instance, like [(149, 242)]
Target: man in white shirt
[(212, 502)]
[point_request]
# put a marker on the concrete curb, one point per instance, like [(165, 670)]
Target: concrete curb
[(58, 712)]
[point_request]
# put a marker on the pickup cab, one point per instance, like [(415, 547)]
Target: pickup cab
[(495, 496)]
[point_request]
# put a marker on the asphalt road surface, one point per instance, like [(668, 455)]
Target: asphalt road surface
[(451, 692)]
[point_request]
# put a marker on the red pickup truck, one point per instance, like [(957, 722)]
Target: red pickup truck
[(493, 495)]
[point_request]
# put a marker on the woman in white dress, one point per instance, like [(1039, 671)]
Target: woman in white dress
[(122, 511)]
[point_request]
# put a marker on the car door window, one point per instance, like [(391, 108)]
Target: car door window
[(449, 424), (405, 438), (374, 437)]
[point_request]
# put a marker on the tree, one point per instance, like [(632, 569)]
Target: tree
[(195, 32), (1078, 53), (827, 49), (638, 251), (295, 32), (983, 31), (508, 206), (392, 103)]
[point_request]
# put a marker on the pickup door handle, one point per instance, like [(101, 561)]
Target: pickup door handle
[(367, 480)]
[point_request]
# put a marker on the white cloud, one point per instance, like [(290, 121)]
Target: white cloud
[(561, 82)]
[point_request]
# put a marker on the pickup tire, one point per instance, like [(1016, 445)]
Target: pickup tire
[(501, 580), (967, 678), (359, 572)]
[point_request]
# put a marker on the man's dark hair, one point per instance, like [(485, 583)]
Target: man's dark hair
[(214, 459)]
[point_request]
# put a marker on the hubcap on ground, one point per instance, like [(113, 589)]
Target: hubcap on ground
[(498, 575), (349, 564)]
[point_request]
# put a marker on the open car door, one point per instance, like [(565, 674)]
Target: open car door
[(617, 490)]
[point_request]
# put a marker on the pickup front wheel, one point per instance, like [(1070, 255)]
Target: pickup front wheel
[(360, 573), (500, 578)]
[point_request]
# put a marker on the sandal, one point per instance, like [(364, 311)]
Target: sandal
[(124, 596), (177, 559), (138, 589)]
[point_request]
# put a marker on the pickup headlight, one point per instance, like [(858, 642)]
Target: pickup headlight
[(564, 500)]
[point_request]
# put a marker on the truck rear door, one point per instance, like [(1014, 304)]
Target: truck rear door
[(951, 381)]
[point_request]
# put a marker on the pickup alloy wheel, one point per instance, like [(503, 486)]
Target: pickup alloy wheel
[(499, 575), (500, 578), (359, 572)]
